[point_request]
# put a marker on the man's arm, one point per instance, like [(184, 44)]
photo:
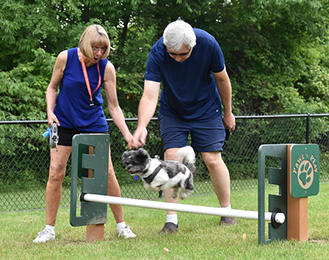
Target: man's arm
[(146, 109), (225, 92)]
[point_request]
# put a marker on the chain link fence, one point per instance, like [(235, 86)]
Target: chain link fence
[(24, 156)]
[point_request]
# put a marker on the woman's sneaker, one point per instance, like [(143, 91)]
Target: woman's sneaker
[(44, 236), (125, 232)]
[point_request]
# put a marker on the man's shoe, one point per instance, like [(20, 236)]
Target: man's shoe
[(169, 227), (226, 221), (126, 232), (44, 236)]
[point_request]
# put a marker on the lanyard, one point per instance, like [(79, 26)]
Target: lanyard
[(85, 74)]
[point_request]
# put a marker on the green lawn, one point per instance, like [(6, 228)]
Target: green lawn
[(199, 236)]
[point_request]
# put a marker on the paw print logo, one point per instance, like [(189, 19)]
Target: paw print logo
[(305, 174)]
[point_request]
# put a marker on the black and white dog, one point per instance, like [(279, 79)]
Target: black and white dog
[(161, 175)]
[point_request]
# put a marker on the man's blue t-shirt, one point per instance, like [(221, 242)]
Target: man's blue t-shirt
[(189, 88), (72, 106)]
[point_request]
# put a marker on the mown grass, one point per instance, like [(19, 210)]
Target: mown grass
[(199, 236)]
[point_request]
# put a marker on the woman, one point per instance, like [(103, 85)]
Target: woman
[(78, 109)]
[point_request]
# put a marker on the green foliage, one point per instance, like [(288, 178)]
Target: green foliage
[(22, 92), (274, 49), (29, 25), (130, 76), (267, 58)]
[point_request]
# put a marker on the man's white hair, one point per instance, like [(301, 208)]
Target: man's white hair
[(177, 34)]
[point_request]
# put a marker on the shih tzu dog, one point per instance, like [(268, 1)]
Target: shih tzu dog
[(161, 175)]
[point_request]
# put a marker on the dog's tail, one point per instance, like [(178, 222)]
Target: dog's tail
[(186, 155)]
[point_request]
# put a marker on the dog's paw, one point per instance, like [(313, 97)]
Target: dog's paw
[(154, 189), (174, 194), (185, 194), (151, 188)]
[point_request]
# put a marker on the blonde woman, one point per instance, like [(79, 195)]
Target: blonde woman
[(78, 108)]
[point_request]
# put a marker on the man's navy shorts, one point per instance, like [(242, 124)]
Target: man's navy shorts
[(206, 136), (66, 135)]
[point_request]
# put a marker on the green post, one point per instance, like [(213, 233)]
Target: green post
[(277, 176), (82, 161)]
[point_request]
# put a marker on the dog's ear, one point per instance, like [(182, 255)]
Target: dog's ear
[(142, 154)]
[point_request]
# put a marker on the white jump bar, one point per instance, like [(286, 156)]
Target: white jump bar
[(279, 217)]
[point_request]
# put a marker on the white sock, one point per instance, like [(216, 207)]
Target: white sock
[(228, 207), (50, 228), (121, 224), (172, 219)]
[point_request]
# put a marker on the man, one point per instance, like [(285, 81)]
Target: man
[(190, 65)]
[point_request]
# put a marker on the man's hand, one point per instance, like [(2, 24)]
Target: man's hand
[(229, 121), (139, 138)]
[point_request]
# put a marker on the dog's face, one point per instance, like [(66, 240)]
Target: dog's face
[(135, 161)]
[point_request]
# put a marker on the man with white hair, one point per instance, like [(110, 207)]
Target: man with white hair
[(190, 65)]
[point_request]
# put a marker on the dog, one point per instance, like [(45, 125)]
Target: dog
[(161, 175)]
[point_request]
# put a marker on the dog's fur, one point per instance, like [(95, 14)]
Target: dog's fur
[(161, 175)]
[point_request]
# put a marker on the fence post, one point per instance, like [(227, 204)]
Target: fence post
[(308, 128)]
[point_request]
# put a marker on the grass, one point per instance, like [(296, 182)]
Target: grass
[(199, 236)]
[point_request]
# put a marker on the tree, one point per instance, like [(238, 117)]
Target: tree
[(267, 42), (273, 48)]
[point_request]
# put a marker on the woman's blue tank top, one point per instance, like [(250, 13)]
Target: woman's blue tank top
[(73, 108)]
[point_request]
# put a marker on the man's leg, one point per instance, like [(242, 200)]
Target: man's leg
[(171, 225), (220, 179)]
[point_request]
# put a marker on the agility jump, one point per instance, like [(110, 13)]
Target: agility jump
[(94, 199), (278, 217)]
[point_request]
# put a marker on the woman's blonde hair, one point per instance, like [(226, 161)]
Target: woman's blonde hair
[(94, 35)]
